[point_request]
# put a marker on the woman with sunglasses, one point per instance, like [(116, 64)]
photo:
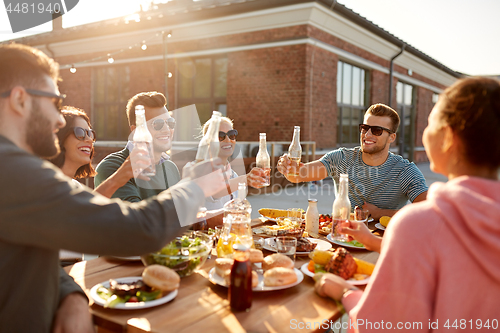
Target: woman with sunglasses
[(227, 142), (438, 268), (76, 140)]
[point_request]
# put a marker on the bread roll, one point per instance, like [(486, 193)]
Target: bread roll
[(255, 279), (161, 277), (256, 256), (277, 260), (279, 276), (223, 266)]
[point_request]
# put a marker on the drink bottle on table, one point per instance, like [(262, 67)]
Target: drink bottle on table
[(312, 218), (240, 289)]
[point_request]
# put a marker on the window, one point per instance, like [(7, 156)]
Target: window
[(203, 82), (351, 99), (110, 96), (406, 111)]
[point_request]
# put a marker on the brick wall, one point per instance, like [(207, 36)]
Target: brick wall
[(266, 91)]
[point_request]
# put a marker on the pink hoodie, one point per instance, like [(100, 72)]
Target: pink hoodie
[(439, 268)]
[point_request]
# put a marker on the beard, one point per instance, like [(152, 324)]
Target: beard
[(376, 149), (40, 136)]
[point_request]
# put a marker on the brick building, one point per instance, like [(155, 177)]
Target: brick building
[(267, 64)]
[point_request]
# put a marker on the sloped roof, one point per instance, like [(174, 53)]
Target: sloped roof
[(179, 11)]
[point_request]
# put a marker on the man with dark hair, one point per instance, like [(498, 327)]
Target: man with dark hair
[(161, 126), (379, 180), (42, 211)]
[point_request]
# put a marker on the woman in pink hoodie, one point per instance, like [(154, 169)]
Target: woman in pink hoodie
[(439, 264)]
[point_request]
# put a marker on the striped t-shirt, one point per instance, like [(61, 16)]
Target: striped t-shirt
[(387, 186)]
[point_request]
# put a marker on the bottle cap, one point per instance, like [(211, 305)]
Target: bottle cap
[(313, 200), (139, 109)]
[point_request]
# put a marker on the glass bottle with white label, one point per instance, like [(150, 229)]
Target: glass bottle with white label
[(143, 140), (262, 160)]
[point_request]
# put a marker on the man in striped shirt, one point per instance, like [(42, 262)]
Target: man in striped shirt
[(379, 180)]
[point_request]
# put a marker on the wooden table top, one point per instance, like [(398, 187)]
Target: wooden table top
[(202, 306)]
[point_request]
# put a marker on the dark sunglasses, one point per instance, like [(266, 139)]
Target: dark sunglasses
[(158, 123), (81, 132), (376, 130), (56, 99), (231, 134)]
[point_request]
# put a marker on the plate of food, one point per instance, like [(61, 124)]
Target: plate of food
[(304, 245), (277, 273), (339, 262), (354, 244), (379, 226), (158, 285)]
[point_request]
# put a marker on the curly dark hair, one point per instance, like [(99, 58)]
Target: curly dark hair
[(471, 107), (70, 114)]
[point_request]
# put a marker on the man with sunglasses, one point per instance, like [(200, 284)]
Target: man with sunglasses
[(42, 210), (379, 180), (161, 126)]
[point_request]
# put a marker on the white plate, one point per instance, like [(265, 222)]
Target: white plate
[(379, 226), (132, 258), (130, 306), (217, 279), (329, 237), (270, 245), (304, 270)]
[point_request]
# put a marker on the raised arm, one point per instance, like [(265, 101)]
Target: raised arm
[(307, 172)]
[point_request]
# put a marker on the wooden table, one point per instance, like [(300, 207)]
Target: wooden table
[(202, 306)]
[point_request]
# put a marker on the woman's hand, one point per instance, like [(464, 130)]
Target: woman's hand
[(330, 285), (257, 178), (360, 232)]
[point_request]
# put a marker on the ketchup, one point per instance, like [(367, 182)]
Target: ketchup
[(240, 290)]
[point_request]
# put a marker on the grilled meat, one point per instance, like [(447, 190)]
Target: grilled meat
[(305, 245), (123, 289), (342, 264)]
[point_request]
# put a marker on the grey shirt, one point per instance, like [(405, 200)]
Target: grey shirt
[(42, 211)]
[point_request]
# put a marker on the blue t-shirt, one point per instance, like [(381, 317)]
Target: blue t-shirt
[(387, 186)]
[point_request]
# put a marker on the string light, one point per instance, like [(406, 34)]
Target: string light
[(110, 58), (169, 74)]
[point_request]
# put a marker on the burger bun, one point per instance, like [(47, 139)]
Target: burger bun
[(161, 278), (277, 260)]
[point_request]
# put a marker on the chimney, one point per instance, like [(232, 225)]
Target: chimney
[(56, 21)]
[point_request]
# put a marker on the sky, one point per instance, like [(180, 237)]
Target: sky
[(463, 35)]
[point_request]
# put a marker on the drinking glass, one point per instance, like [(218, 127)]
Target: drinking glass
[(286, 245), (336, 235), (362, 216)]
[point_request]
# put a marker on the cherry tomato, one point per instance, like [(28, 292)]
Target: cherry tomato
[(133, 299)]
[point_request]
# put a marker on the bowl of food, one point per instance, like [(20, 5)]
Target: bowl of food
[(184, 254)]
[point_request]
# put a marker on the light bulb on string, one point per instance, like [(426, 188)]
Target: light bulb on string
[(144, 46), (72, 69), (169, 74), (169, 34), (110, 59)]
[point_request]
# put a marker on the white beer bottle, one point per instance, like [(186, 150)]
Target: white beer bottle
[(209, 145), (262, 160), (144, 140), (295, 153), (341, 209)]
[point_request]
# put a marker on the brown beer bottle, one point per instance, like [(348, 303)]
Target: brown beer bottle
[(240, 290)]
